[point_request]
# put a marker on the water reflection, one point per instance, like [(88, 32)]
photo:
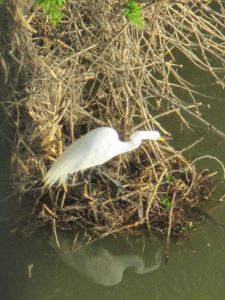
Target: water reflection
[(102, 266)]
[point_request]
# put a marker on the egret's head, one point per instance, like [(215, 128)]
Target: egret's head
[(146, 135), (154, 135)]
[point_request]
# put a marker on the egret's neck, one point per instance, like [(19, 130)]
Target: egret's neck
[(131, 145), (136, 138)]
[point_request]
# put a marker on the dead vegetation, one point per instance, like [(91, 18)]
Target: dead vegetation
[(96, 69)]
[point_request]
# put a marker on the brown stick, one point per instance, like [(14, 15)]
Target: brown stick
[(55, 234), (166, 253), (149, 203), (198, 118)]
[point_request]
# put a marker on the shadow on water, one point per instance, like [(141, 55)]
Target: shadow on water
[(101, 266)]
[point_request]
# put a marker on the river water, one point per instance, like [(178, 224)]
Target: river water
[(196, 266)]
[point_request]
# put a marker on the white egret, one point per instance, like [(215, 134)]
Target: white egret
[(94, 148)]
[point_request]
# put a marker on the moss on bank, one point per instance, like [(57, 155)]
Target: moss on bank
[(96, 69)]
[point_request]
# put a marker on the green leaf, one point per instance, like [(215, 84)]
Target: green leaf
[(53, 9), (166, 202), (133, 13)]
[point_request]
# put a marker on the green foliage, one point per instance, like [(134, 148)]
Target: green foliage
[(133, 13), (166, 202), (53, 9), (169, 178), (2, 2), (190, 225)]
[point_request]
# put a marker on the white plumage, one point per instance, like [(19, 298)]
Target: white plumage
[(94, 148)]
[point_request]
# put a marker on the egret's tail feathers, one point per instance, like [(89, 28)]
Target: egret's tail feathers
[(52, 178), (63, 166), (74, 159), (58, 173)]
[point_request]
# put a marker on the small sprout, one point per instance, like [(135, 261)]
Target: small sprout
[(166, 202), (190, 224), (133, 13), (169, 178)]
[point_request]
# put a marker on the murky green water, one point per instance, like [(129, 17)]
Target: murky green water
[(196, 267)]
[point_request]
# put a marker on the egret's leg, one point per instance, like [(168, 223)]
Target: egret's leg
[(89, 180), (116, 183)]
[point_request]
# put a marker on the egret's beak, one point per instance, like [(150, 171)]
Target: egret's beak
[(165, 138), (162, 139)]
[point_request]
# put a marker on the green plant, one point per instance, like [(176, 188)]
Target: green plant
[(166, 202), (133, 13), (190, 224), (169, 178), (53, 9)]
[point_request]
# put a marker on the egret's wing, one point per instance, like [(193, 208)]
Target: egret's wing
[(69, 162), (94, 148)]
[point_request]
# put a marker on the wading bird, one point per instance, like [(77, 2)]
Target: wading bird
[(93, 149)]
